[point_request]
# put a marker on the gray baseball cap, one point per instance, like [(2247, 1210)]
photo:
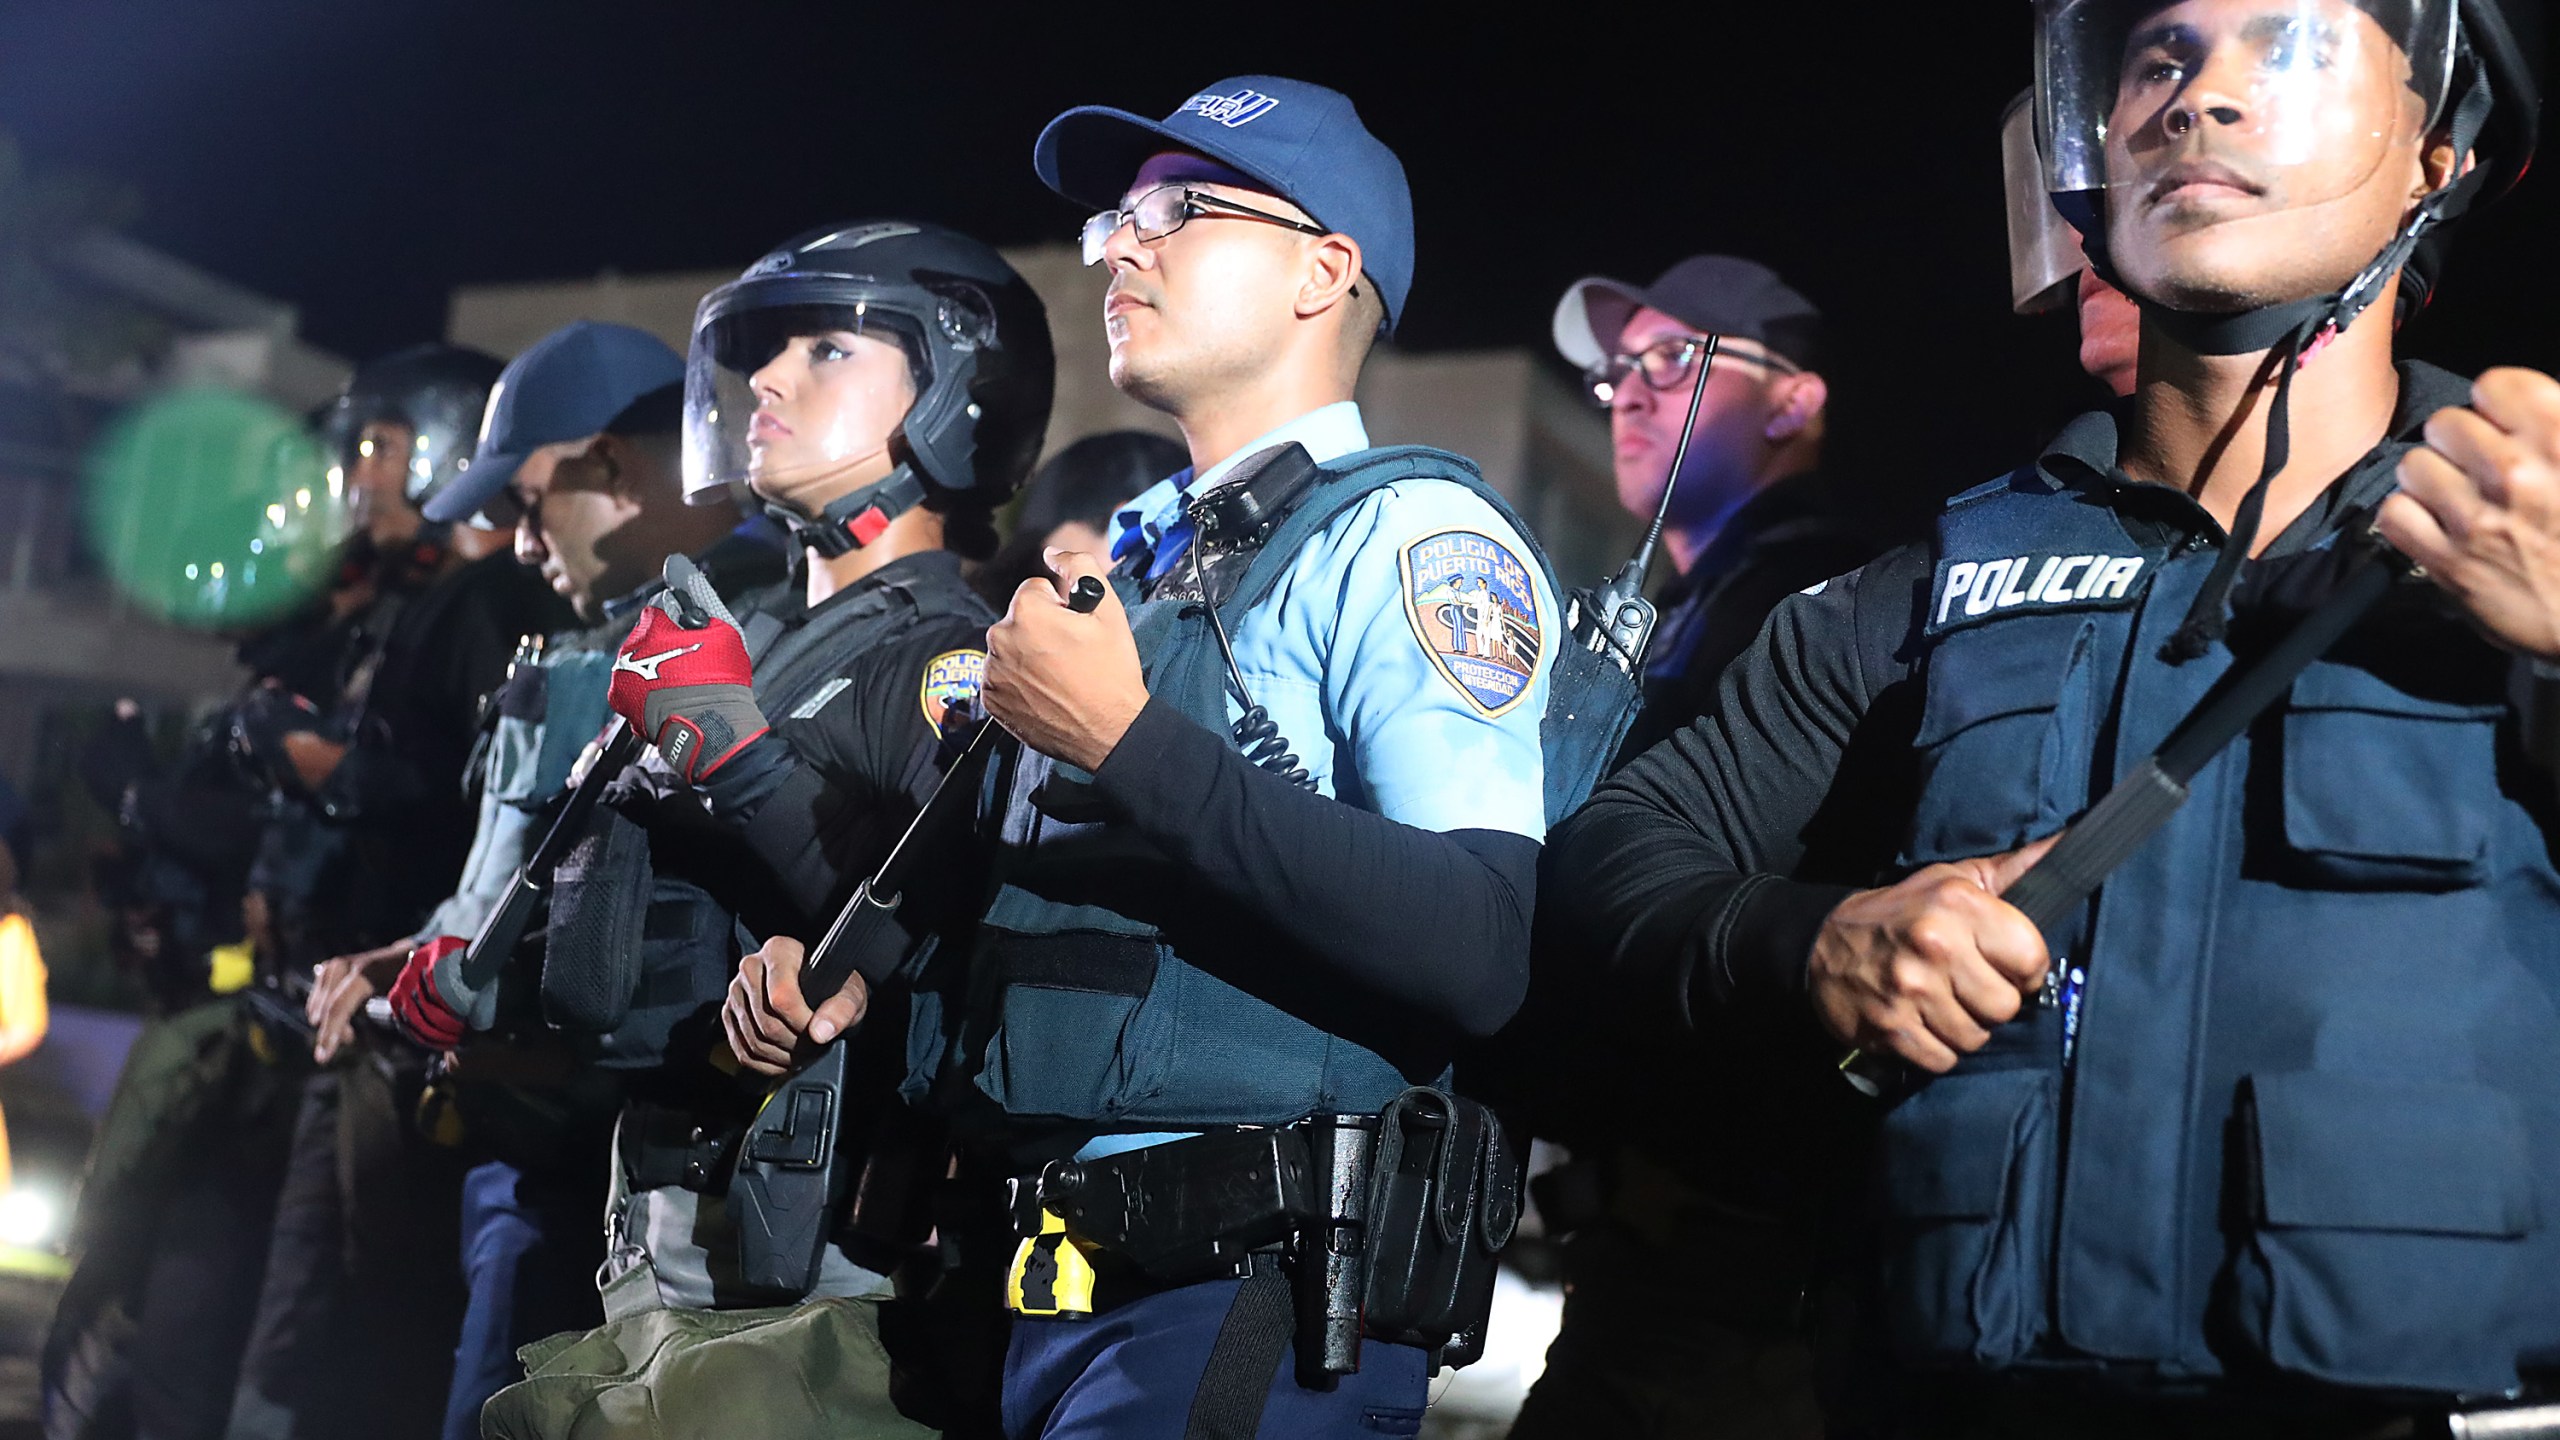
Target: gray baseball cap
[(1719, 294)]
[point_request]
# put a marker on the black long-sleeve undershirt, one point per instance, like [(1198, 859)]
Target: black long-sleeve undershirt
[(1435, 921), (821, 800), (1685, 877)]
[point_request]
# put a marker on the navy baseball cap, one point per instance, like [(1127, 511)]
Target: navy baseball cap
[(1718, 294), (1301, 142), (568, 385)]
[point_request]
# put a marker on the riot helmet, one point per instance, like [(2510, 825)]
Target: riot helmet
[(434, 392), (2044, 251), (2143, 102), (2126, 89), (977, 362)]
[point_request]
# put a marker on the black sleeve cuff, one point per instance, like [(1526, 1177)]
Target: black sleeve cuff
[(1757, 946), (1165, 758), (739, 786)]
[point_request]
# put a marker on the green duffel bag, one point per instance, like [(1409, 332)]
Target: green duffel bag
[(814, 1371)]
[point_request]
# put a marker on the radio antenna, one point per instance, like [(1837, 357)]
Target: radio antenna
[(1615, 619)]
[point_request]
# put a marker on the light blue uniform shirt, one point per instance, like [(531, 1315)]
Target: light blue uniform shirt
[(1404, 652)]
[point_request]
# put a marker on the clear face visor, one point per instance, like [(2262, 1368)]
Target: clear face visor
[(781, 399), (2044, 251), (2300, 100)]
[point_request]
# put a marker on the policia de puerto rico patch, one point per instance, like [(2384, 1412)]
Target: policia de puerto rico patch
[(951, 678), (1474, 607)]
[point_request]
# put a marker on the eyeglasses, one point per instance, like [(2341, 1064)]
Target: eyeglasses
[(1168, 208), (1667, 364)]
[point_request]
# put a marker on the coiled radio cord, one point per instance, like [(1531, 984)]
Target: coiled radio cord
[(1255, 733)]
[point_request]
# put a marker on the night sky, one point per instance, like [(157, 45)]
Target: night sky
[(360, 158)]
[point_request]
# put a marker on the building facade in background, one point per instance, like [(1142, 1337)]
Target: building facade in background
[(1539, 442)]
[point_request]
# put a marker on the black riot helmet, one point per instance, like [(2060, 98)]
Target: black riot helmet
[(436, 391), (2475, 66), (976, 341)]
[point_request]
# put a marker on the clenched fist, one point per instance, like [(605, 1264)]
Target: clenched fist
[(768, 1020), (2479, 507), (1926, 967), (1064, 682)]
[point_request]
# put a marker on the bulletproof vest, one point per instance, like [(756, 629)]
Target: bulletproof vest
[(634, 949), (2309, 1121), (1081, 1004)]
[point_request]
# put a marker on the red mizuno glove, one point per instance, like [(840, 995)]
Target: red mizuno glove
[(418, 1006), (682, 677)]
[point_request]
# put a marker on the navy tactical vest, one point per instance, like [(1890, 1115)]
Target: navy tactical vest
[(2313, 1111), (1080, 1006)]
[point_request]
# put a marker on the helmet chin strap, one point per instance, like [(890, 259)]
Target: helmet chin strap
[(852, 521)]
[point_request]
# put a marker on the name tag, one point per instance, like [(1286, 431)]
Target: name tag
[(1973, 590)]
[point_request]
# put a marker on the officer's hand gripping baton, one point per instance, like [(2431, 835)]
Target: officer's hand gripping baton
[(840, 953), (2108, 834), (791, 1174), (617, 747)]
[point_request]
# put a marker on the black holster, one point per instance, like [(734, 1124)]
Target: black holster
[(1443, 1201), (787, 1193)]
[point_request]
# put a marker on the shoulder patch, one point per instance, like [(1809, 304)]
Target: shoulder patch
[(951, 678), (1474, 607)]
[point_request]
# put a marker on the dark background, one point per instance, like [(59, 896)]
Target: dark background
[(362, 157)]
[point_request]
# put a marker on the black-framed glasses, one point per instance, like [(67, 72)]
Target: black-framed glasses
[(1668, 363), (1168, 208)]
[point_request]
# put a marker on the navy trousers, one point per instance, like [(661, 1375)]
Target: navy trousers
[(1130, 1374), (530, 1245)]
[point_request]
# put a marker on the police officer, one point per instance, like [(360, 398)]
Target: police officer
[(2046, 268), (2267, 1162), (1750, 520), (1183, 940), (180, 1186), (880, 388), (1685, 1273), (358, 1303), (577, 458), (370, 769)]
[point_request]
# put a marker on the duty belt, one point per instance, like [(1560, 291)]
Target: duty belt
[(1390, 1224)]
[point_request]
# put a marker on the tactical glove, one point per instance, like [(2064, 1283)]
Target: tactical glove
[(416, 1003), (683, 679)]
